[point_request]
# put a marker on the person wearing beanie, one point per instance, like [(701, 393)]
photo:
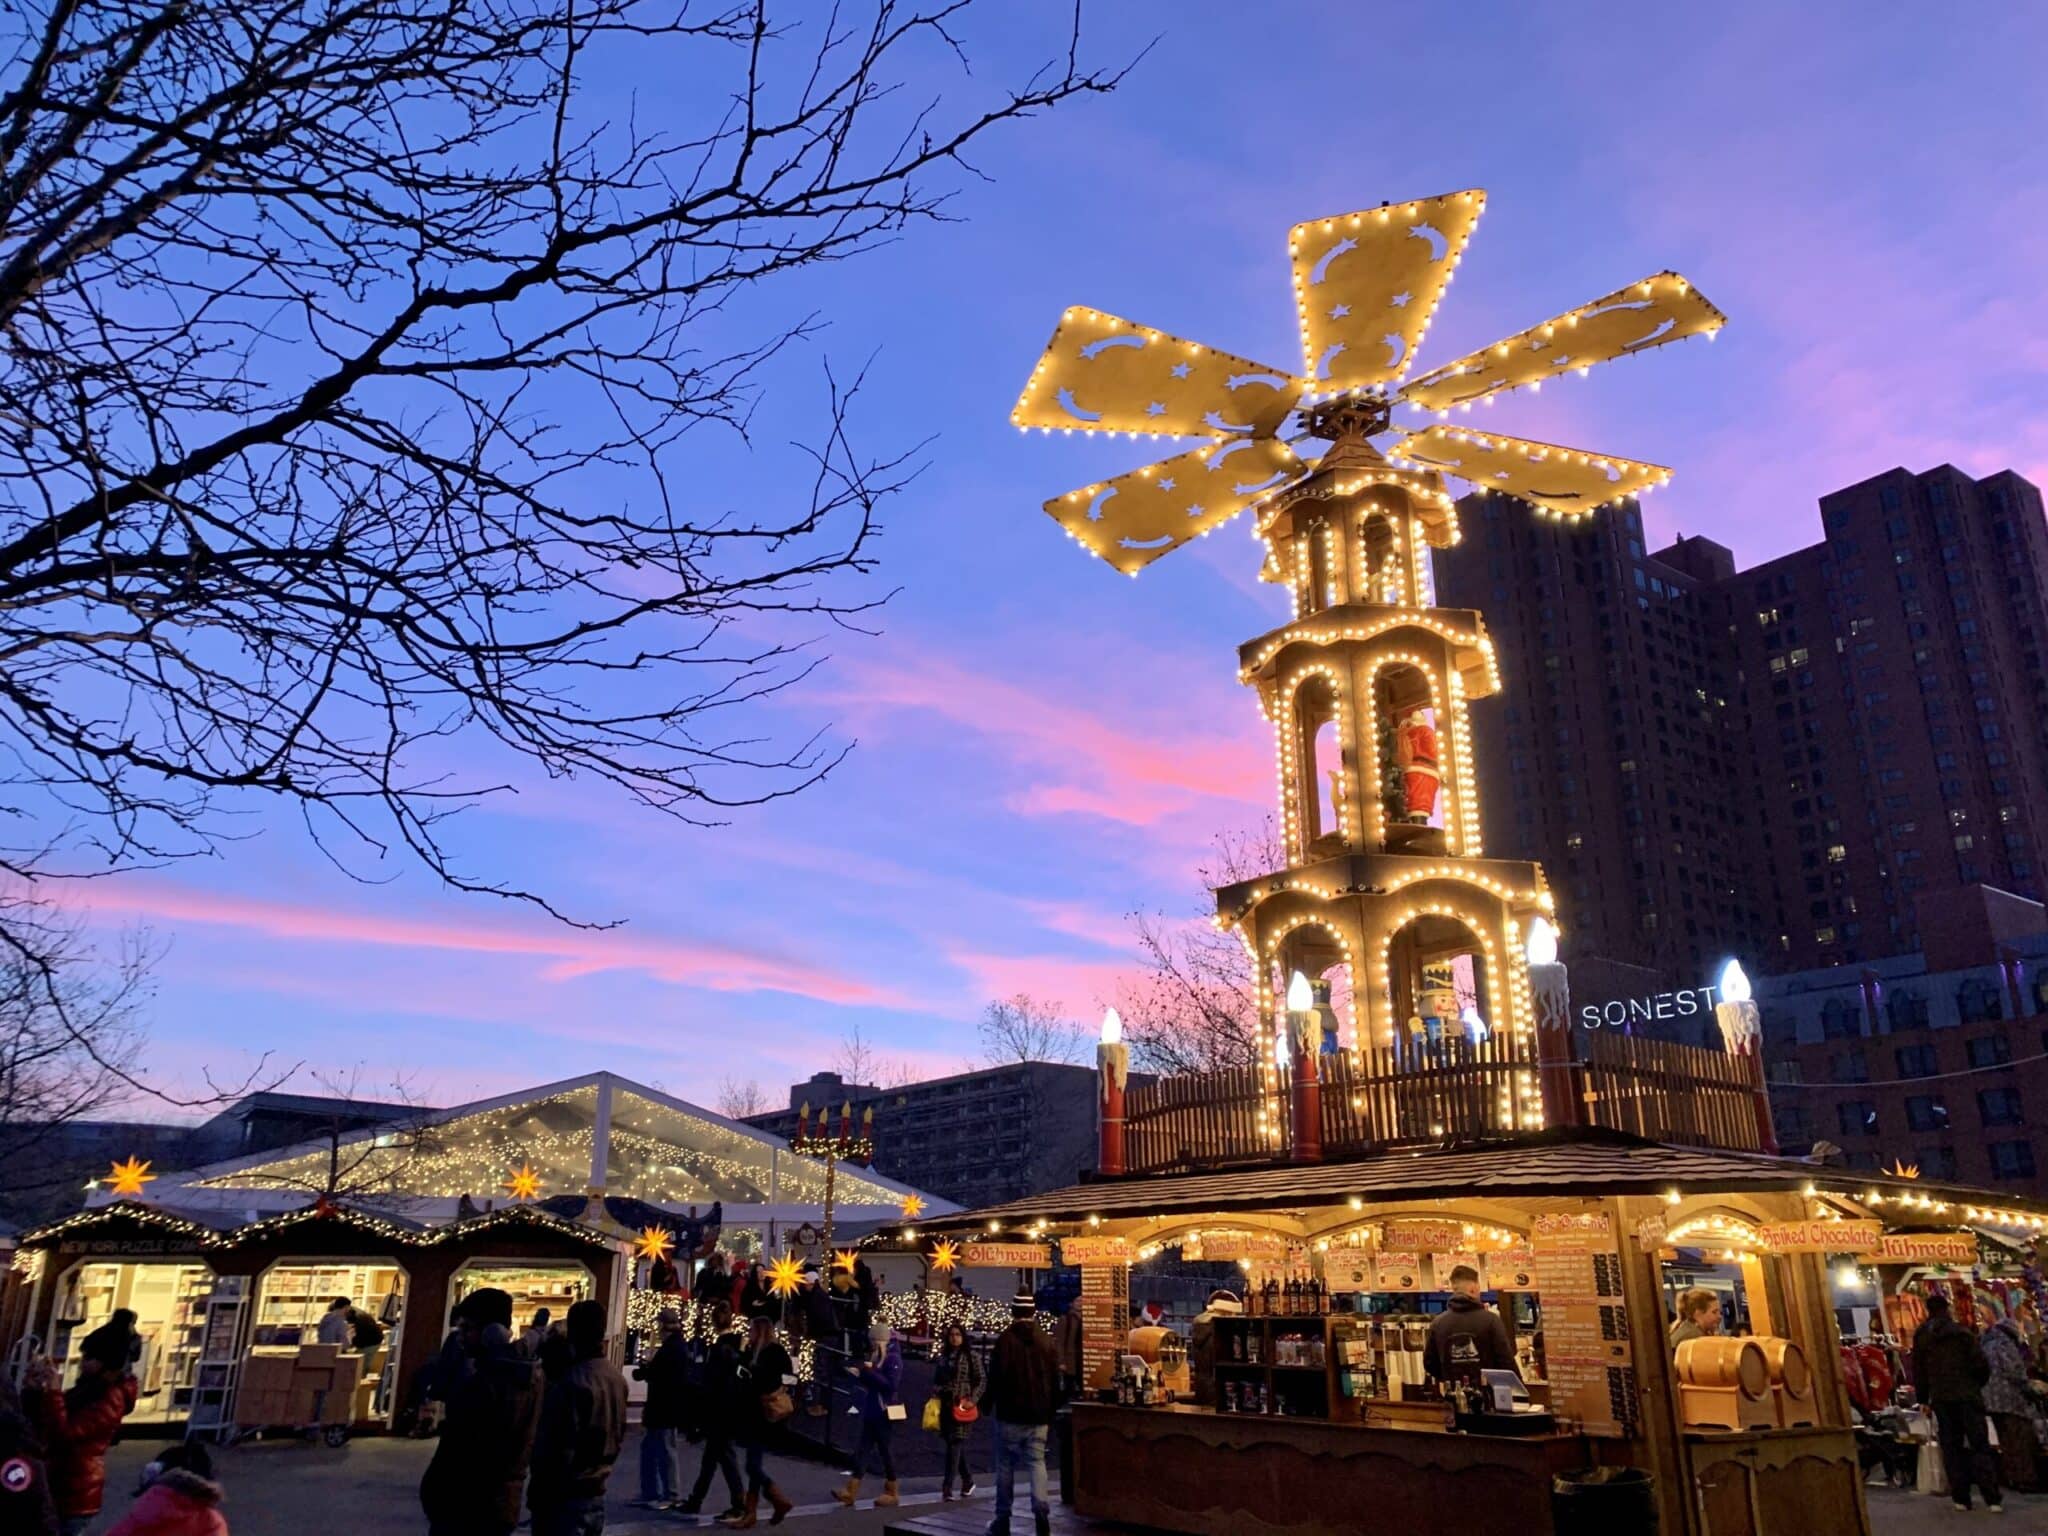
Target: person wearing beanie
[(472, 1486), (881, 1380), (78, 1427), (665, 1414), (1949, 1373), (1021, 1391), (582, 1427), (179, 1497)]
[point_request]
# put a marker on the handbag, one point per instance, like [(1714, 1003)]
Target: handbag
[(777, 1405), (964, 1411), (931, 1415)]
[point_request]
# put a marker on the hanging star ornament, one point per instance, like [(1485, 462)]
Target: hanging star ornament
[(844, 1259), (912, 1207), (945, 1254), (129, 1177), (783, 1275), (1902, 1169), (654, 1242), (524, 1183)]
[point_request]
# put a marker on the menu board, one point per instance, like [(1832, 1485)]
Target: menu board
[(1587, 1354), (1105, 1321), (1441, 1265), (1509, 1269), (1397, 1272), (1348, 1269)]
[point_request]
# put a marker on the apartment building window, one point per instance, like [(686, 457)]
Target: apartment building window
[(1926, 1112), (1856, 1117), (2000, 1106), (1906, 1010), (1915, 1060), (1977, 1001), (1990, 1051), (1935, 1162), (2011, 1159)]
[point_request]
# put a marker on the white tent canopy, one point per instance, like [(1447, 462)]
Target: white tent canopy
[(600, 1134)]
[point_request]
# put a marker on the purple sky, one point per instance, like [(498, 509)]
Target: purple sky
[(1044, 745)]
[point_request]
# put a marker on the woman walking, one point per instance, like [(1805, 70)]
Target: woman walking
[(880, 1379), (761, 1388), (78, 1426), (2011, 1406), (956, 1382)]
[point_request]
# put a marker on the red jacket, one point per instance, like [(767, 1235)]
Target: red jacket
[(77, 1442), (180, 1503)]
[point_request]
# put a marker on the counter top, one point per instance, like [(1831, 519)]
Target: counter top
[(1422, 1419)]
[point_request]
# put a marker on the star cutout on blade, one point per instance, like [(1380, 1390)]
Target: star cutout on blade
[(128, 1178), (1197, 510), (1156, 408), (1339, 311), (1399, 300), (1182, 370), (1168, 483), (524, 1184)]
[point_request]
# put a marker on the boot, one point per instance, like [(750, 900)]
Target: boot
[(746, 1520), (849, 1493), (688, 1506), (778, 1502), (888, 1497), (1043, 1517), (999, 1528)]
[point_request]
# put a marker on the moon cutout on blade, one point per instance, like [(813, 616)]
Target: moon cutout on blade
[(1439, 242), (1214, 421), (1664, 327), (1329, 356), (1321, 268), (1074, 409), (1095, 348), (1100, 500)]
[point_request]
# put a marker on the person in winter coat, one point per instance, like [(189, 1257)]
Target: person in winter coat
[(718, 1412), (179, 1497), (1021, 1391), (472, 1486), (666, 1413), (26, 1505), (754, 1300), (77, 1427), (763, 1370), (713, 1284), (1468, 1336), (881, 1380), (956, 1379), (2011, 1408), (335, 1327), (535, 1331), (820, 1319), (582, 1426), (1949, 1372)]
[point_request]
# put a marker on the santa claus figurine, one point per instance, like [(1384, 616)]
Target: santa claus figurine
[(1415, 755)]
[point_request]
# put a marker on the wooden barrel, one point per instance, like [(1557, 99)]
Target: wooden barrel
[(1720, 1362), (1788, 1367), (1144, 1343)]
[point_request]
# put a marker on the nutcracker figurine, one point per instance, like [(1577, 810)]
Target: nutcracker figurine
[(1415, 755)]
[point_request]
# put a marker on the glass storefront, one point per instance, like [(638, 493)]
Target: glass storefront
[(169, 1303)]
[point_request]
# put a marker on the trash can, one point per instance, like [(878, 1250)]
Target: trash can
[(1063, 1443), (1604, 1499)]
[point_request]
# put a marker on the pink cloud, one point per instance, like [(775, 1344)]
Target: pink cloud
[(563, 953), (1124, 769), (1081, 988)]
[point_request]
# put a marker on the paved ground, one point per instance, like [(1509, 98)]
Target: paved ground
[(284, 1488)]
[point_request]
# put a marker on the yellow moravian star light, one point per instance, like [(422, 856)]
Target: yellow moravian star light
[(784, 1274), (912, 1207), (945, 1254), (654, 1242), (524, 1184), (1366, 289), (844, 1259), (127, 1178)]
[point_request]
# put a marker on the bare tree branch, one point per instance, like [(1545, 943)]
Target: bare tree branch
[(1024, 1028), (736, 1099)]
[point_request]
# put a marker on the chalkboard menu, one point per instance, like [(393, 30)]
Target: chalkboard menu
[(1587, 1353), (1105, 1321)]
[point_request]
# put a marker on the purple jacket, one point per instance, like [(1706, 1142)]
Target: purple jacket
[(879, 1383)]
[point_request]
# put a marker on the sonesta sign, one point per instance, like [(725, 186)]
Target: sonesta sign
[(1617, 1012)]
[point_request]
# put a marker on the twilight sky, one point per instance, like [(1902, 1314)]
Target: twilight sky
[(1043, 745)]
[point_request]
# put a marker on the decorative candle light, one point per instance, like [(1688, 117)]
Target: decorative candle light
[(1112, 1065), (1302, 1030), (1550, 988), (1742, 1032)]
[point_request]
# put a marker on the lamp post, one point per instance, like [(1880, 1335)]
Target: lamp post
[(1742, 1033), (1550, 985), (834, 1149), (1113, 1067), (1304, 1028)]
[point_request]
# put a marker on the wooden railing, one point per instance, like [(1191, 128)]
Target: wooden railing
[(1665, 1092), (1390, 1097)]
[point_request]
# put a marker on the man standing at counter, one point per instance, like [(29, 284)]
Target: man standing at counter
[(1468, 1337)]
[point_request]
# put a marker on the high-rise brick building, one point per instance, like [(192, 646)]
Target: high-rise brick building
[(1776, 762)]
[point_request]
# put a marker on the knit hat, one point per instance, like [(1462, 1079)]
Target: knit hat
[(1023, 1304)]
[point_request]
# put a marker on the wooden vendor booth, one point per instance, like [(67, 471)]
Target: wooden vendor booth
[(1310, 1410)]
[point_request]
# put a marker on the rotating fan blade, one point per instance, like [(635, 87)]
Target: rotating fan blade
[(1105, 374), (1367, 283), (1134, 519), (1660, 309), (1564, 480)]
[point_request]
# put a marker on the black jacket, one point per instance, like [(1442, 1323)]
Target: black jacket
[(1948, 1363), (479, 1463), (1023, 1376), (1467, 1337), (582, 1425), (667, 1374), (756, 1375)]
